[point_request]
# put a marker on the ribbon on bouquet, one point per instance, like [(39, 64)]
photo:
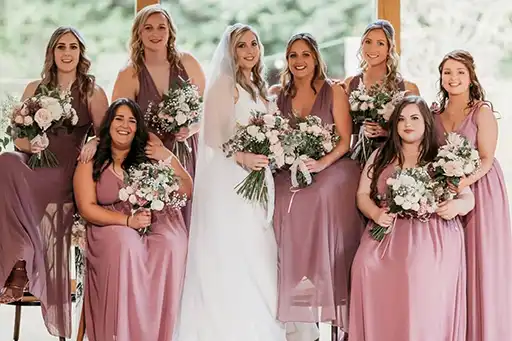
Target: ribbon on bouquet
[(360, 144), (271, 194), (298, 165), (388, 239)]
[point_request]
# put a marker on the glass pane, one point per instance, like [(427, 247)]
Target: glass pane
[(431, 28)]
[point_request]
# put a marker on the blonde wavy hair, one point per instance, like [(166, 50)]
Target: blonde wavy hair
[(287, 81), (136, 45), (393, 77), (257, 72), (85, 81)]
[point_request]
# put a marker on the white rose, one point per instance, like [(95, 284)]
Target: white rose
[(157, 205), (474, 155), (123, 194), (273, 139), (181, 118), (43, 119), (46, 101), (406, 205), (56, 111), (364, 106), (74, 119), (328, 146), (149, 196), (399, 200), (469, 168), (260, 137), (354, 106), (129, 190), (415, 207), (253, 130), (132, 199), (67, 107), (303, 126), (27, 120)]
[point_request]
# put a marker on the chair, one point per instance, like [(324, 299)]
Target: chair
[(31, 301)]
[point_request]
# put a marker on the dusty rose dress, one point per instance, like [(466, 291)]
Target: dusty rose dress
[(489, 250), (133, 285), (318, 231), (148, 92), (36, 215), (412, 285)]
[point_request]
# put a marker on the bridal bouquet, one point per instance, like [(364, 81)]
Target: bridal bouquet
[(152, 186), (456, 159), (410, 194), (371, 105), (49, 110), (180, 108), (265, 134), (312, 139)]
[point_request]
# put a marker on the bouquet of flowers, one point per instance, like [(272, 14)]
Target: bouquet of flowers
[(49, 110), (78, 231), (456, 159), (180, 108), (310, 140), (410, 194), (152, 186), (371, 105), (265, 134)]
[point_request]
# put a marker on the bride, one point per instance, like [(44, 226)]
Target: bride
[(230, 289)]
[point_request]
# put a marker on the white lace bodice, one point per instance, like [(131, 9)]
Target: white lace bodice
[(245, 104)]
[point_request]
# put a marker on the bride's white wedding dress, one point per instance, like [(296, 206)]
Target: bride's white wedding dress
[(230, 290)]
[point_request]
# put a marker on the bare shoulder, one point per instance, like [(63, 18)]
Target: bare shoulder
[(30, 89), (338, 90), (188, 58), (412, 88), (275, 89), (484, 112), (127, 72)]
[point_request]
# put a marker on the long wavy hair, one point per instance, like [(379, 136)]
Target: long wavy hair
[(476, 91), (103, 157), (257, 72), (320, 73), (392, 149), (136, 45), (393, 76), (84, 80)]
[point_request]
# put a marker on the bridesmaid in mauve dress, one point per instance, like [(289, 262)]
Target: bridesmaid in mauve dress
[(36, 206), (411, 286), (487, 228), (318, 227), (155, 64), (379, 62), (133, 284)]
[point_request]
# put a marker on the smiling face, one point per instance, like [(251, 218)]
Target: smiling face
[(375, 47), (411, 124), (301, 59), (455, 77), (66, 53), (123, 127), (247, 50), (154, 32)]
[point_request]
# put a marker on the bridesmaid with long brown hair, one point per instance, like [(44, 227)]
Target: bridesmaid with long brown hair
[(464, 110), (379, 63), (36, 208), (155, 63), (318, 227)]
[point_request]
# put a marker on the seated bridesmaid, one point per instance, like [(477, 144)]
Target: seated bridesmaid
[(36, 206), (412, 284), (318, 227), (133, 284), (487, 228), (379, 62)]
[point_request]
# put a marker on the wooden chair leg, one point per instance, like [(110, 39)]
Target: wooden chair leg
[(81, 327), (17, 323)]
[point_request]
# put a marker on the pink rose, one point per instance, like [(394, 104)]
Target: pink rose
[(40, 141), (43, 118)]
